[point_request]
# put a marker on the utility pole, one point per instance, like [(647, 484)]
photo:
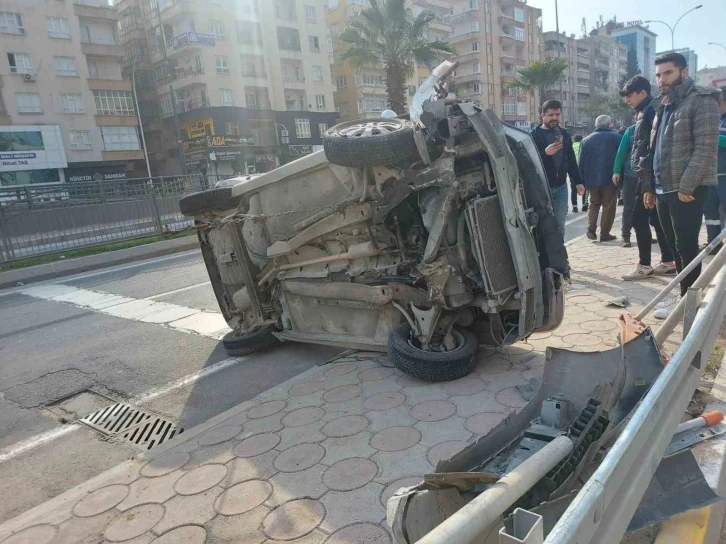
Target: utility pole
[(138, 114), (177, 131), (557, 29)]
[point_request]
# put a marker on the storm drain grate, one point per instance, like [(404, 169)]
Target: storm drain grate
[(132, 425)]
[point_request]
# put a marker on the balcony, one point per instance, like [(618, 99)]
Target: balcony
[(509, 73), (254, 74), (466, 12), (191, 40), (190, 104), (439, 25), (109, 85), (295, 54), (186, 77), (473, 78), (95, 10), (464, 36), (102, 50), (293, 83), (472, 55), (122, 155), (172, 9)]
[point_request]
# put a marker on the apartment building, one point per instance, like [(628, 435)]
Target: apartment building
[(597, 64), (639, 41), (710, 77), (362, 93), (215, 72), (66, 114), (691, 58), (494, 39)]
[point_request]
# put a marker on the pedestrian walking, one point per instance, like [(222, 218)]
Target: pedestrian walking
[(624, 179), (684, 147), (637, 95), (597, 158), (715, 208), (555, 148), (576, 141)]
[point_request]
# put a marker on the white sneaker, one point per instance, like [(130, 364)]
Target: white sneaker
[(664, 311), (640, 272), (662, 269)]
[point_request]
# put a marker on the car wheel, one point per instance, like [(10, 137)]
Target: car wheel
[(433, 365), (212, 199), (369, 142), (239, 343)]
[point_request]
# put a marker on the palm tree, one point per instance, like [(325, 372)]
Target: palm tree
[(540, 76), (387, 35)]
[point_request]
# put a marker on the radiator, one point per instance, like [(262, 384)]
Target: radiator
[(490, 245)]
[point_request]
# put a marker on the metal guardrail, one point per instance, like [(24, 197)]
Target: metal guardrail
[(49, 218)]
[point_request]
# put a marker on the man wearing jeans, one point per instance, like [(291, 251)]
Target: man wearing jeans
[(715, 209), (684, 147), (555, 148)]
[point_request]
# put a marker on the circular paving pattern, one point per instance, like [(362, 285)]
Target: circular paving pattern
[(243, 497), (375, 374), (350, 474), (256, 445), (303, 416), (398, 484), (100, 500), (219, 435), (385, 401), (266, 409), (581, 339), (200, 479), (299, 457), (510, 397), (293, 519), (189, 534), (306, 388), (360, 533), (481, 424), (395, 438), (134, 522), (470, 385), (445, 450), (338, 369), (39, 534), (345, 426), (161, 466), (410, 381), (342, 393), (433, 410)]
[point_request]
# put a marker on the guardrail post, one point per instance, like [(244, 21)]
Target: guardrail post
[(694, 297), (528, 528), (155, 206), (8, 253)]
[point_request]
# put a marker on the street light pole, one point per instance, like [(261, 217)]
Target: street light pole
[(673, 28), (138, 115), (719, 44), (557, 29)]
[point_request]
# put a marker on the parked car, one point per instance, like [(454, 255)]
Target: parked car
[(424, 236)]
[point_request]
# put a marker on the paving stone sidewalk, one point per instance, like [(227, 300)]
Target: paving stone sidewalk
[(314, 460)]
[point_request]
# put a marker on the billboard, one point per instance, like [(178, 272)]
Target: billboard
[(37, 147)]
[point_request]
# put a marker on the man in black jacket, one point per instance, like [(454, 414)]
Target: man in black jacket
[(555, 148)]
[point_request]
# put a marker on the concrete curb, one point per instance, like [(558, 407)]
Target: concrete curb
[(704, 526), (92, 262)]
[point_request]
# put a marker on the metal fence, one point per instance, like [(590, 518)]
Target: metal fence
[(41, 219)]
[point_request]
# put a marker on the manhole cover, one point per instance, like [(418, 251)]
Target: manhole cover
[(132, 425)]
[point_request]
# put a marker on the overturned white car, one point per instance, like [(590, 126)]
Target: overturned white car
[(425, 237)]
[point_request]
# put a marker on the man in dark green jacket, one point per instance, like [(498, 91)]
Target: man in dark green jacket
[(684, 145)]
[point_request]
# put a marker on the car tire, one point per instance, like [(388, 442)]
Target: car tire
[(211, 199), (389, 142), (432, 366), (237, 343)]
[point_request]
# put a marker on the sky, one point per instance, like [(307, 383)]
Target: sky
[(707, 24)]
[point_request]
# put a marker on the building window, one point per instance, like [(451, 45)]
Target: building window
[(310, 14), (491, 89), (341, 82), (320, 101), (58, 28), (302, 128), (476, 68), (20, 63), (92, 69), (73, 103), (509, 108), (317, 73), (476, 88), (222, 64), (489, 68), (521, 108), (322, 127), (114, 102), (29, 103), (314, 44), (519, 15), (519, 33), (226, 97), (120, 138), (489, 49), (473, 4), (218, 29), (343, 109), (231, 128), (80, 139), (65, 66), (370, 80), (253, 101), (11, 23), (475, 26), (476, 47), (488, 27)]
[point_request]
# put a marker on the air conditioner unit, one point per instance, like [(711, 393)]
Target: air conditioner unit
[(28, 77)]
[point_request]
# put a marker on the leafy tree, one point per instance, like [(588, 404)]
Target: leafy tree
[(388, 35), (540, 76)]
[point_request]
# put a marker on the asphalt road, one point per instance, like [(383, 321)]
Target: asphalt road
[(52, 350)]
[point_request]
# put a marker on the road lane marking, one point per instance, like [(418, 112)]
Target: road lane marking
[(173, 316), (175, 291)]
